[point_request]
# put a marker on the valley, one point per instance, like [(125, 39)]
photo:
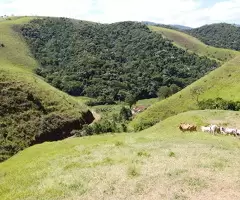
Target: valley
[(140, 157)]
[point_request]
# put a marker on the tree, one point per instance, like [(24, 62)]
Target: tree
[(131, 100), (196, 92), (164, 92), (174, 88), (125, 114)]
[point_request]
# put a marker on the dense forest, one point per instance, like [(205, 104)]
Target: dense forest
[(219, 35), (110, 61)]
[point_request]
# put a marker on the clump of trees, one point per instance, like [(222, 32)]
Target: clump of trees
[(116, 124), (219, 104), (165, 91), (110, 62), (219, 35)]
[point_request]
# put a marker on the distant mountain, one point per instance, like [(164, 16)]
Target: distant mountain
[(221, 35), (171, 26), (181, 27)]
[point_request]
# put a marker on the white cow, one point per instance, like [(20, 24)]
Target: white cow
[(214, 128), (206, 129), (222, 130), (230, 131)]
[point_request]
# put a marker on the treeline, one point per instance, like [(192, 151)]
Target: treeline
[(219, 104), (219, 35), (110, 62)]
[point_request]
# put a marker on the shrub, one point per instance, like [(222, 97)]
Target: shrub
[(219, 104)]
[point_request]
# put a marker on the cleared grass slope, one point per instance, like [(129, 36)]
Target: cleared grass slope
[(192, 44), (31, 110), (222, 82), (158, 163)]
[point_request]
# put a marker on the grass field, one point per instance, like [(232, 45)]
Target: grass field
[(192, 44), (158, 163), (222, 82)]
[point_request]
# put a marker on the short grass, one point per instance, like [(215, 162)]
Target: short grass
[(147, 102), (192, 44), (15, 53), (222, 82), (158, 163)]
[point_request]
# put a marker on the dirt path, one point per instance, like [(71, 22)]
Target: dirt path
[(96, 115)]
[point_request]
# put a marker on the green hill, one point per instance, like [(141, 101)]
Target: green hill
[(194, 45), (31, 111), (131, 166), (220, 83), (219, 35), (110, 61)]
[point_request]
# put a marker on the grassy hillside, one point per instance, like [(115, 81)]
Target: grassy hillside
[(222, 82), (158, 163), (31, 111), (192, 44)]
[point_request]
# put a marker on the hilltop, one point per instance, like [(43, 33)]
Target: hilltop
[(194, 45), (221, 83), (110, 61), (31, 111), (171, 26), (221, 35)]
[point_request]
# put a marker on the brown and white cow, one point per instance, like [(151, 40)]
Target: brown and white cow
[(187, 127)]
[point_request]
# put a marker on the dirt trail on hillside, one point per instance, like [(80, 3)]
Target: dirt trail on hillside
[(97, 116)]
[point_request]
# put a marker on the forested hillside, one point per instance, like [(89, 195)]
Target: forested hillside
[(219, 35), (112, 61)]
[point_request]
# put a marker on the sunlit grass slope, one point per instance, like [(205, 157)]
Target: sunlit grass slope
[(158, 163), (222, 82), (29, 106), (15, 52), (192, 44)]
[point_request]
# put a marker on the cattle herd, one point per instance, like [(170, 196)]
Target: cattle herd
[(210, 129)]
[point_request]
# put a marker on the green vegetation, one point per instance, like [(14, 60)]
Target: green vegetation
[(218, 35), (114, 166), (109, 62), (221, 83), (219, 104), (31, 111), (194, 45)]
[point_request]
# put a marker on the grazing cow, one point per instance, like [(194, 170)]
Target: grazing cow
[(214, 129), (193, 128), (206, 129), (187, 127), (238, 132), (222, 130), (229, 131)]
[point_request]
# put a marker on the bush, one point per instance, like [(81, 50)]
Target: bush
[(103, 126), (144, 125), (219, 104)]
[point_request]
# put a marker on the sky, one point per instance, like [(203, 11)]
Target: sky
[(193, 13)]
